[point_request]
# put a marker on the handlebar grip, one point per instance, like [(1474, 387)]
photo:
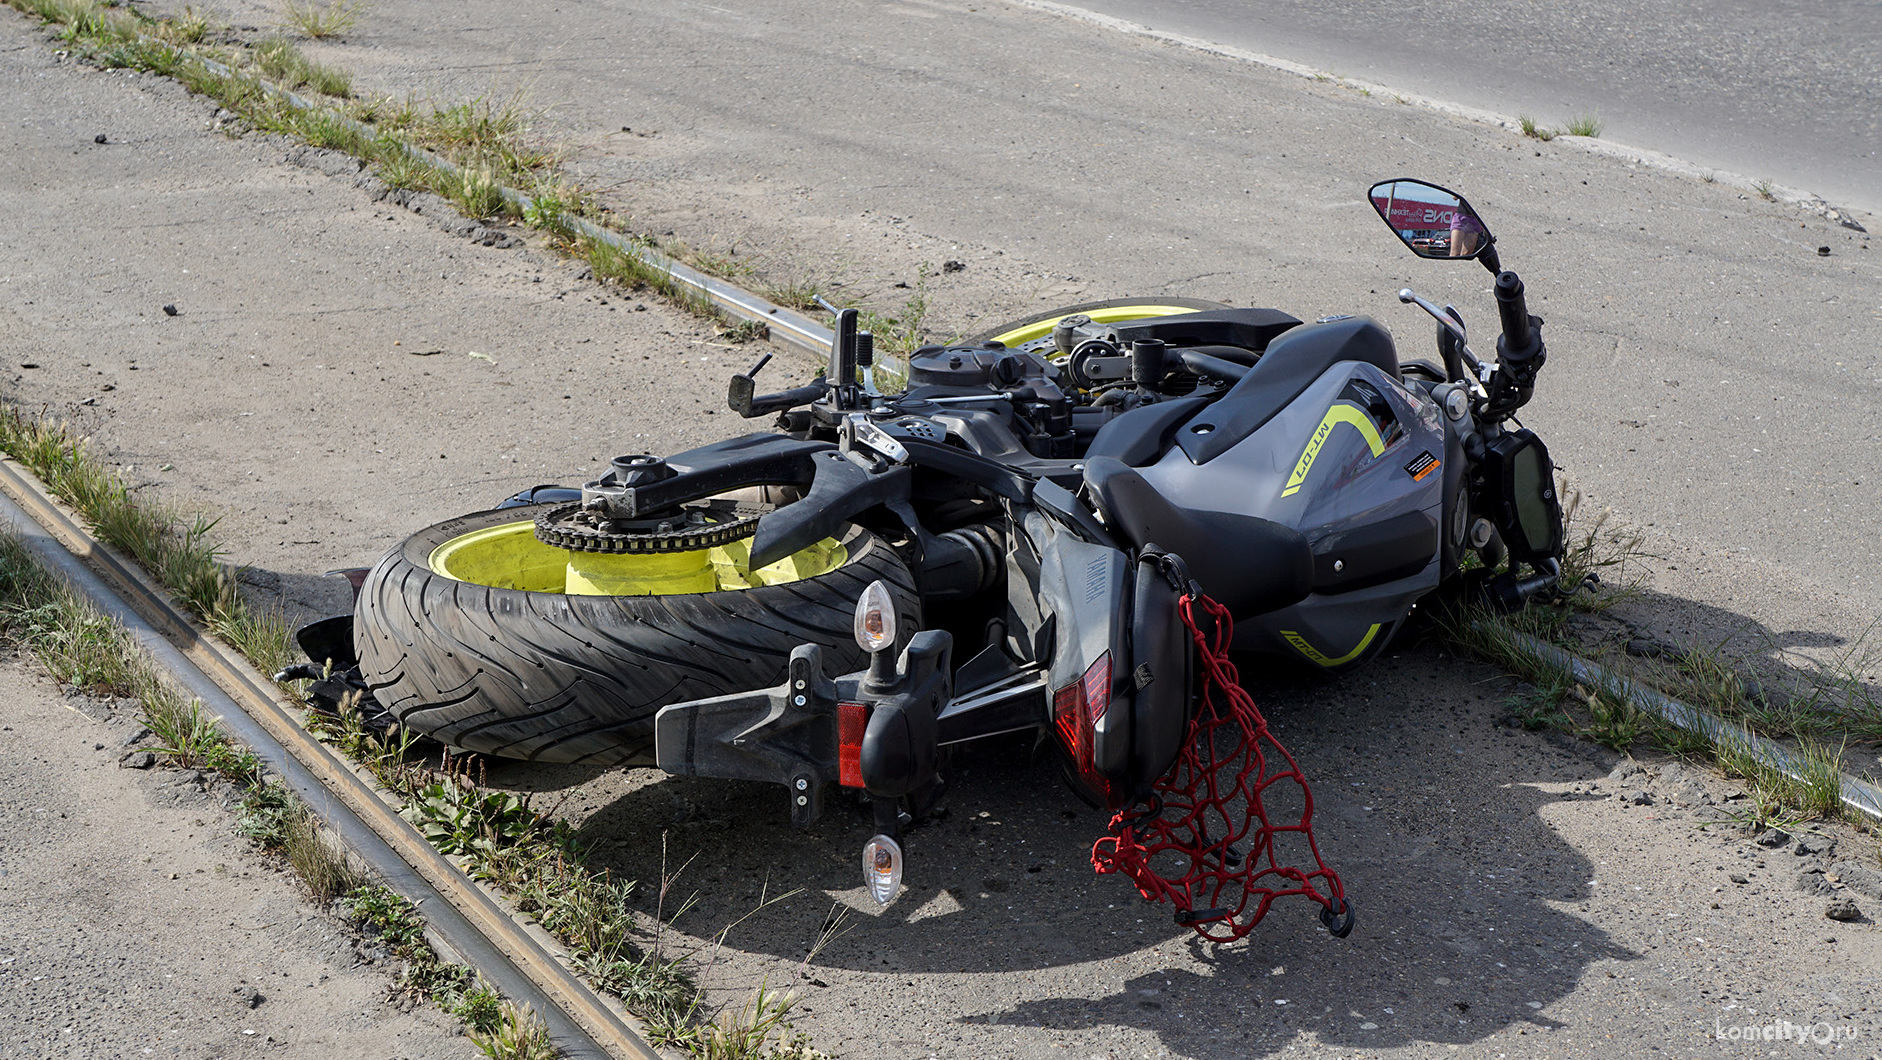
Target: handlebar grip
[(1513, 308)]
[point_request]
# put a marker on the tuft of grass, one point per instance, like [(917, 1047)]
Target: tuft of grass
[(188, 737), (755, 1029), (481, 1008), (492, 134), (384, 914), (744, 331), (283, 62), (1766, 190), (476, 192), (799, 292), (322, 865), (1820, 786), (1588, 124), (519, 1035), (1535, 131), (187, 27), (321, 21), (401, 167), (1541, 708), (76, 644), (1613, 721), (1771, 795), (612, 263), (1614, 554), (385, 754), (652, 986)]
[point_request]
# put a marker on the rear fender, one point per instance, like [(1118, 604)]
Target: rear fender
[(1120, 676), (1161, 680)]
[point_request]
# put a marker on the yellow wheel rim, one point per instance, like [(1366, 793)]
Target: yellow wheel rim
[(1110, 315), (510, 557)]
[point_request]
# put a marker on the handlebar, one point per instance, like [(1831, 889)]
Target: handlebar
[(1513, 308)]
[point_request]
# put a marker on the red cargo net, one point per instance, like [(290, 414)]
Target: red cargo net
[(1203, 840)]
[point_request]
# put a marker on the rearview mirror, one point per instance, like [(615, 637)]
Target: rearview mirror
[(1434, 222)]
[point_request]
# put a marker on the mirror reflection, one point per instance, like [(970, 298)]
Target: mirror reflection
[(1433, 222)]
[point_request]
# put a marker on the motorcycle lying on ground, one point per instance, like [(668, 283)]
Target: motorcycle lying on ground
[(1060, 527)]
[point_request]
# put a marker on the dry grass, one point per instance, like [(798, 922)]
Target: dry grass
[(322, 21)]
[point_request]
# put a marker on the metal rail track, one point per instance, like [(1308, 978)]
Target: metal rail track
[(462, 915)]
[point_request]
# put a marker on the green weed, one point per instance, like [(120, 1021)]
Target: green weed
[(481, 1009), (1531, 129), (1584, 125), (1613, 721), (1766, 190), (1613, 554), (1541, 708), (519, 1035), (188, 737), (264, 814), (401, 167), (281, 823), (477, 193), (188, 26), (1820, 784), (385, 754), (283, 62), (457, 817), (799, 292), (750, 1031)]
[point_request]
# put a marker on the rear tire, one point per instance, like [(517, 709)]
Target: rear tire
[(550, 677)]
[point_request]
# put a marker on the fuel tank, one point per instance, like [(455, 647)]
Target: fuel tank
[(1354, 461)]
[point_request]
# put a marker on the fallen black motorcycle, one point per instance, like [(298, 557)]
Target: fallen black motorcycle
[(1021, 535)]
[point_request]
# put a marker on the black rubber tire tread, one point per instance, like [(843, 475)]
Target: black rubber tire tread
[(554, 678), (1198, 304)]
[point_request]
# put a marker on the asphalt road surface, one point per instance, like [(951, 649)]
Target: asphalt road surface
[(1789, 91)]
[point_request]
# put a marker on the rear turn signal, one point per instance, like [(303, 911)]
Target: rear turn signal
[(875, 618), (882, 868)]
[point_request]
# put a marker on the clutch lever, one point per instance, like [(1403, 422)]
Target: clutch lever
[(1480, 374)]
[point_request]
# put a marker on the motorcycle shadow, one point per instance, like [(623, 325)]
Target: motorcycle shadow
[(1828, 676), (300, 598), (1424, 803)]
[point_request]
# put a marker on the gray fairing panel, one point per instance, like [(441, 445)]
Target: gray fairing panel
[(1356, 451)]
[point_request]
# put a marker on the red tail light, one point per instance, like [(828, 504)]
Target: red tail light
[(1076, 709), (852, 720)]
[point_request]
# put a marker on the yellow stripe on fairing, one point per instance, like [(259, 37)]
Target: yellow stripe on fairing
[(1316, 656), (1340, 413)]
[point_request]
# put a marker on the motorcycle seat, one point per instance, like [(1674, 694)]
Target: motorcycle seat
[(1248, 564), (1138, 437), (1292, 362)]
